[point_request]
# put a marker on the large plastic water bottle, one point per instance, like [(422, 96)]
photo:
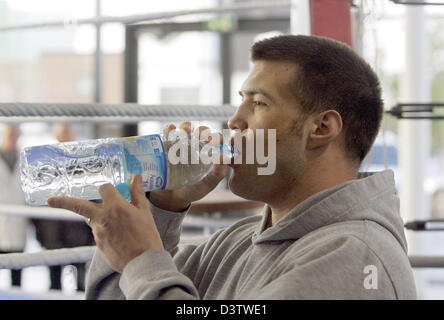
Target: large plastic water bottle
[(78, 169)]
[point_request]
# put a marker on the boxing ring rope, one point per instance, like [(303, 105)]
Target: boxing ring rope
[(47, 258), (39, 212), (131, 19), (77, 254), (66, 215), (17, 112), (56, 257)]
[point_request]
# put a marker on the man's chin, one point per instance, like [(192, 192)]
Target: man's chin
[(241, 185)]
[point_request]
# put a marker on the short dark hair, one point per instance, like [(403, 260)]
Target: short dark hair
[(330, 75)]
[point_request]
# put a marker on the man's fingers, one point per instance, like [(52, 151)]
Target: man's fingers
[(109, 193), (138, 198), (202, 133), (84, 208), (216, 138), (186, 126), (168, 128)]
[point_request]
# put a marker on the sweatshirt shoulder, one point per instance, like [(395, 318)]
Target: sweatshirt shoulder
[(373, 243), (368, 234)]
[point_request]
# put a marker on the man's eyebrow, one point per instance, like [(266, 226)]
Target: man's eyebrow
[(256, 91)]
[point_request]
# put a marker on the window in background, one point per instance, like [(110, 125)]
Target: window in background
[(181, 68), (241, 43), (45, 64)]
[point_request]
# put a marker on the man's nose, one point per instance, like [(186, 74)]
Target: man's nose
[(237, 121)]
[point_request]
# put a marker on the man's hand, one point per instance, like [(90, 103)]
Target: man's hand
[(122, 231), (178, 200)]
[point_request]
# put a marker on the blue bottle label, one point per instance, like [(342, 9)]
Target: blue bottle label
[(145, 155)]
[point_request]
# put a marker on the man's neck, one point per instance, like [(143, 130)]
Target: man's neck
[(311, 183)]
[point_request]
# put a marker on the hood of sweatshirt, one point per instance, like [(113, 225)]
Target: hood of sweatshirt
[(372, 196)]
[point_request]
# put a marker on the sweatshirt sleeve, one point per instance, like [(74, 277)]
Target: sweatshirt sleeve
[(103, 281), (345, 269), (155, 274)]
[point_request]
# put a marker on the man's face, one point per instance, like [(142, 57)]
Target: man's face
[(268, 103)]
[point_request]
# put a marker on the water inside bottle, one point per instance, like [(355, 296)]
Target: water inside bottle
[(72, 169)]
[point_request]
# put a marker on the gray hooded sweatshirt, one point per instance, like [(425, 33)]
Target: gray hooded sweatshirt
[(346, 242)]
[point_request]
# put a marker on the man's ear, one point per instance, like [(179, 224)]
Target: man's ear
[(325, 127)]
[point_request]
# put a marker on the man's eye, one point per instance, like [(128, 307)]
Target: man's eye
[(259, 103)]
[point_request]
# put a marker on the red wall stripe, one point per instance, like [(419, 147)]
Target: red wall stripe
[(332, 19)]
